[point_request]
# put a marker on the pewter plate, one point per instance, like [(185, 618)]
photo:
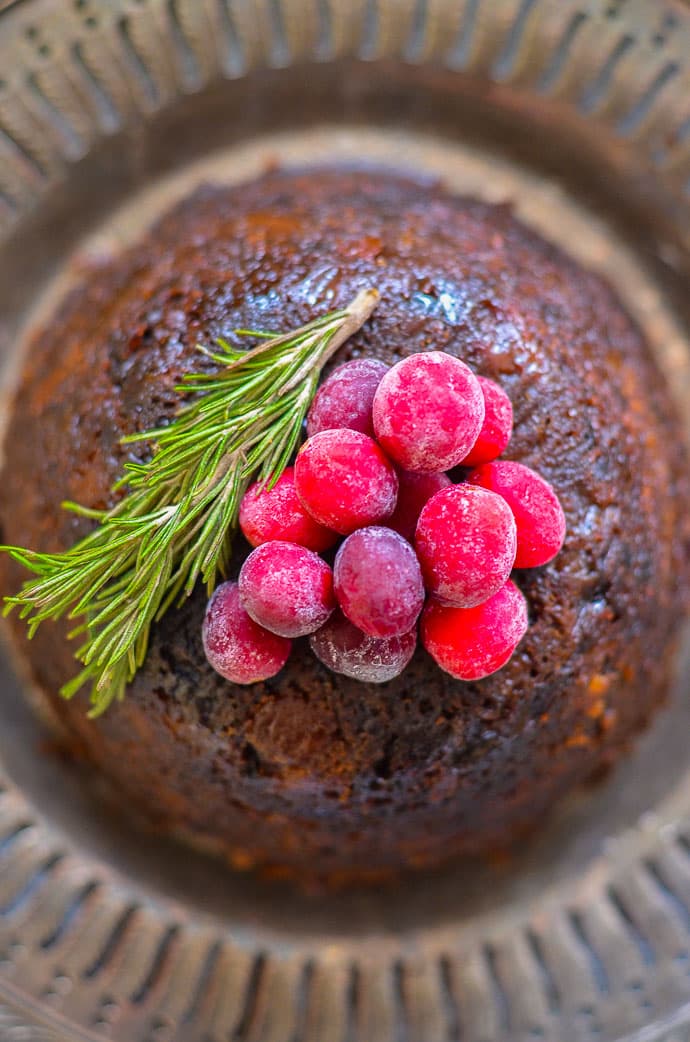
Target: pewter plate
[(577, 111)]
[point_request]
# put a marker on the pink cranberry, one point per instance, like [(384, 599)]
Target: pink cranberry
[(345, 398), (344, 480), (378, 582), (277, 513), (345, 649), (472, 643), (465, 542), (497, 427), (286, 588), (428, 412), (415, 490), (538, 513), (235, 646)]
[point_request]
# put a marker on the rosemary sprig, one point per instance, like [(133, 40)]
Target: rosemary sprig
[(172, 525)]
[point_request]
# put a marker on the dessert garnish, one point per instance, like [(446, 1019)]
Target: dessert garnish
[(171, 524), (371, 470), (345, 481), (347, 397), (472, 643), (287, 588), (537, 511), (344, 648), (378, 582), (236, 646), (466, 540), (281, 516), (414, 490), (428, 412), (497, 427)]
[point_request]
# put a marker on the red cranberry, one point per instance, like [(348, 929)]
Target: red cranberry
[(465, 542), (428, 412), (344, 480), (472, 643), (286, 588), (277, 513), (497, 427), (414, 491), (538, 513), (378, 582), (235, 646), (346, 397), (345, 649)]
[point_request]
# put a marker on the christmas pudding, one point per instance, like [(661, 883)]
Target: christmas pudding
[(449, 600)]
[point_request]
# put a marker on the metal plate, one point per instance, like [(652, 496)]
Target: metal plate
[(580, 113)]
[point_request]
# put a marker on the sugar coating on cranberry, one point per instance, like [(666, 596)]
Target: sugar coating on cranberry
[(538, 513), (286, 588), (414, 491), (428, 411), (465, 540), (276, 513), (346, 397), (497, 427), (344, 480), (378, 582), (472, 643), (236, 646), (345, 649)]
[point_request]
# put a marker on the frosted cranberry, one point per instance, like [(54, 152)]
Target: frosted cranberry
[(465, 542), (235, 646), (346, 397), (345, 649), (538, 513), (378, 582), (344, 480), (497, 427), (428, 411), (471, 643), (286, 588), (277, 513), (414, 491)]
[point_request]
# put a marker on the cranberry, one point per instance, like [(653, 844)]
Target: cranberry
[(466, 542), (345, 649), (378, 582), (472, 643), (286, 588), (414, 491), (235, 646), (346, 397), (538, 513), (497, 427), (344, 480), (277, 513), (428, 412)]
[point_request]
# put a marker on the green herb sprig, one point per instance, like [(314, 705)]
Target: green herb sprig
[(173, 524)]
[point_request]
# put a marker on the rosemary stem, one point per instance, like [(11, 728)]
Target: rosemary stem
[(357, 313)]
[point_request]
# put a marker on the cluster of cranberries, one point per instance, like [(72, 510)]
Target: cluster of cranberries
[(373, 470)]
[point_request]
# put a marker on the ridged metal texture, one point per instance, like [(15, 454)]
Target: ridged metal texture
[(86, 953)]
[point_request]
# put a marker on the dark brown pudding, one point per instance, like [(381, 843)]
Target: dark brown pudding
[(310, 772)]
